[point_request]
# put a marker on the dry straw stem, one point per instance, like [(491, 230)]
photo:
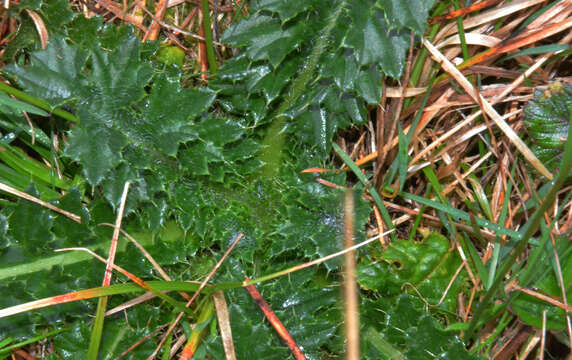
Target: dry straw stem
[(115, 237), (40, 27), (34, 199), (487, 107), (224, 324), (350, 284)]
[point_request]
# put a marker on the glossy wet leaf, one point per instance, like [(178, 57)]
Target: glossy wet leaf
[(285, 10), (193, 159), (266, 38), (54, 74), (428, 266), (30, 226), (410, 14), (373, 41), (547, 118)]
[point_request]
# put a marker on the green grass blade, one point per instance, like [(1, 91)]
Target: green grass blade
[(6, 350), (419, 216), (461, 30), (527, 232), (97, 331), (357, 171), (21, 106), (538, 50), (39, 103)]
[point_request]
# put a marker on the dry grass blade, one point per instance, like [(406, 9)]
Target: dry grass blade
[(115, 237), (141, 341), (34, 199), (40, 27), (97, 330), (487, 107), (148, 256), (464, 11), (224, 324)]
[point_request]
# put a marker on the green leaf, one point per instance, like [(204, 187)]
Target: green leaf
[(410, 14), (56, 13), (286, 10), (431, 341), (8, 104), (428, 266), (547, 118), (343, 69), (164, 127), (373, 41), (369, 85), (30, 225), (265, 37), (72, 233), (54, 74)]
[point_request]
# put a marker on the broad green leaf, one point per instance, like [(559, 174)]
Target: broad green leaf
[(547, 118), (96, 146), (166, 128), (427, 266), (266, 38), (373, 41), (30, 226), (429, 340), (56, 13), (369, 84), (72, 233), (410, 14), (343, 69), (54, 74)]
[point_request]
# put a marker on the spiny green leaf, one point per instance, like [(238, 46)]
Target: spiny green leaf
[(164, 127), (54, 74), (30, 225), (369, 84), (411, 14), (265, 37), (95, 146), (430, 341), (428, 266), (373, 41), (56, 13), (71, 232), (343, 69)]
